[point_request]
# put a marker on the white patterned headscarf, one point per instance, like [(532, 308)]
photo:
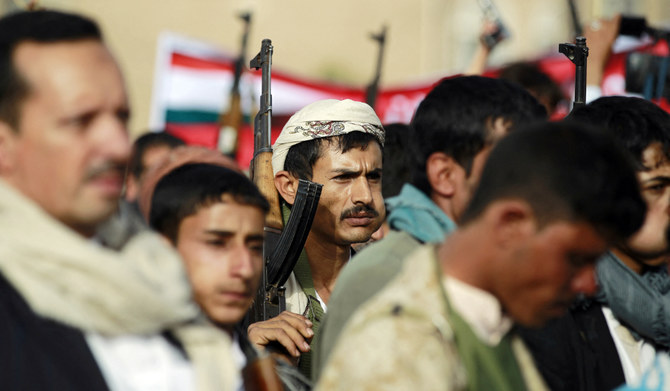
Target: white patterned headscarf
[(325, 118)]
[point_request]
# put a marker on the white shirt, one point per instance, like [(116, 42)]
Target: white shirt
[(636, 356), (240, 362), (141, 362), (479, 309)]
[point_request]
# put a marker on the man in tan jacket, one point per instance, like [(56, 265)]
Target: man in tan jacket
[(549, 201)]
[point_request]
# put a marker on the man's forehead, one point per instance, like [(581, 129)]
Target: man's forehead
[(227, 214), (576, 236), (369, 156), (32, 53), (58, 64)]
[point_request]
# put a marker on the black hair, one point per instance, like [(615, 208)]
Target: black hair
[(398, 158), (456, 117), (301, 157), (148, 141), (565, 171), (33, 26), (531, 78), (188, 188), (635, 122)]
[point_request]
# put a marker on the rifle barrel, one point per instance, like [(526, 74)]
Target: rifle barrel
[(261, 172), (373, 88), (575, 18)]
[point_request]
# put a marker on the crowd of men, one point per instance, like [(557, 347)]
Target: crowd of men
[(513, 253)]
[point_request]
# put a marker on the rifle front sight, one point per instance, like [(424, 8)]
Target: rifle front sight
[(577, 53)]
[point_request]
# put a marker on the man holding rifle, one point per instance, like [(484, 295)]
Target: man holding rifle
[(339, 145), (454, 127)]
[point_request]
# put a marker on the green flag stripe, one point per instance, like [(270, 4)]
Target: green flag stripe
[(190, 116)]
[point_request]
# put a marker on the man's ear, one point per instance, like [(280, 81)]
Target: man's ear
[(132, 192), (7, 146), (287, 186), (513, 221), (442, 170), (167, 240)]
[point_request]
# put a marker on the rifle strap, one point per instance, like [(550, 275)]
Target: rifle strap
[(314, 312)]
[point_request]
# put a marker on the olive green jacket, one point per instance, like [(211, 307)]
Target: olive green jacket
[(402, 339)]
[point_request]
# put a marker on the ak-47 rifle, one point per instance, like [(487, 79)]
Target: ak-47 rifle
[(282, 245), (492, 15), (577, 53), (229, 123), (373, 88)]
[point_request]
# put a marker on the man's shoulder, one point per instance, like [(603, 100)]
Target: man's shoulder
[(363, 277), (36, 345), (415, 293), (406, 331), (384, 256), (390, 244), (371, 269)]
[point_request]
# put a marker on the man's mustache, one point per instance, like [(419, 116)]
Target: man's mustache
[(104, 168), (359, 211)]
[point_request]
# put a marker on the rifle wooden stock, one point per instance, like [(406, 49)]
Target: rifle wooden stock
[(260, 375), (263, 177), (229, 125), (230, 122)]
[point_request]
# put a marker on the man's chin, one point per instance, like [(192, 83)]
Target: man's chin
[(361, 238), (226, 318), (90, 219)]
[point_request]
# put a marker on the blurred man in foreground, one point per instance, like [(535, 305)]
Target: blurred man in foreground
[(550, 200), (76, 314)]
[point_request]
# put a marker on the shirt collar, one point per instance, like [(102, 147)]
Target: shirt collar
[(480, 310)]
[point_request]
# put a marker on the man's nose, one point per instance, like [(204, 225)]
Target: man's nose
[(585, 281), (112, 139), (361, 193), (244, 262)]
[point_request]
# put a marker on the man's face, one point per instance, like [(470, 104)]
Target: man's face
[(649, 246), (151, 158), (548, 269), (71, 145), (222, 248), (351, 206), (466, 184)]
